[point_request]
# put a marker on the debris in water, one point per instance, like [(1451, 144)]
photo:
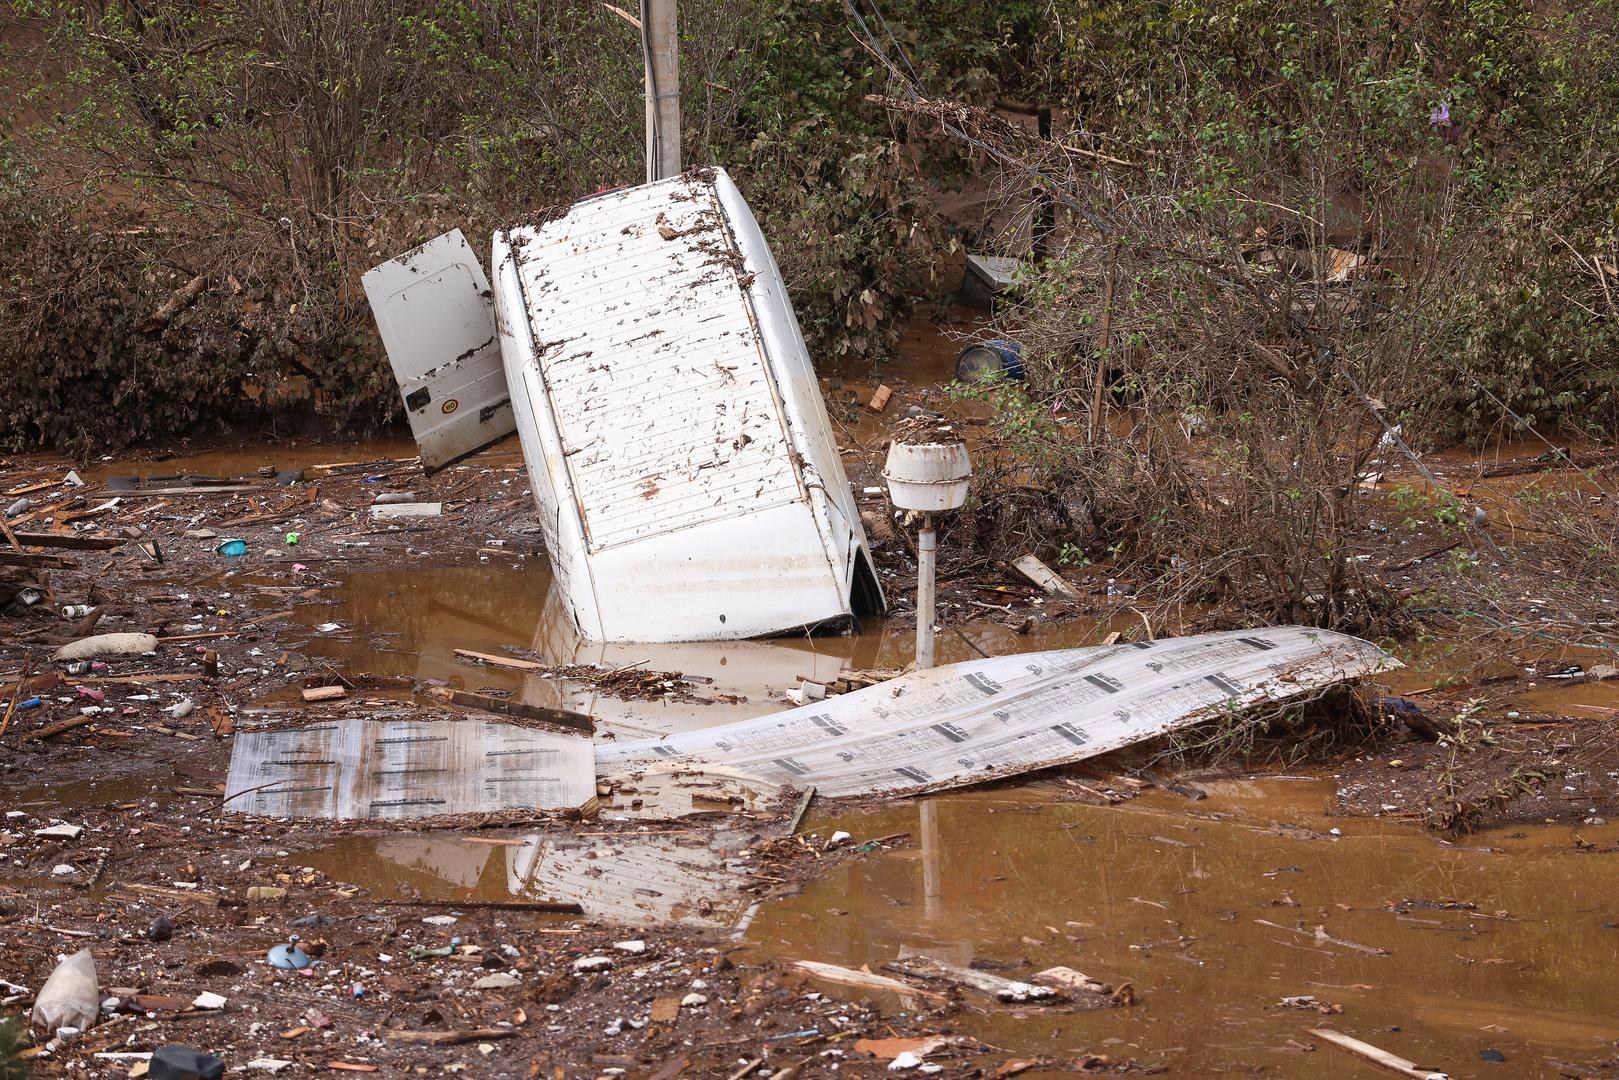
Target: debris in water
[(983, 719)]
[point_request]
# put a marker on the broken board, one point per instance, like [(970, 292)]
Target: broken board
[(393, 769), (999, 716)]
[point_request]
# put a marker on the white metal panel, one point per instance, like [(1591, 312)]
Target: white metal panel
[(676, 438), (669, 416), (435, 313), (406, 769), (974, 721)]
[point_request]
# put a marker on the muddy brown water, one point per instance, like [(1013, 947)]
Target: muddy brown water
[(410, 622), (1162, 893), (1176, 900)]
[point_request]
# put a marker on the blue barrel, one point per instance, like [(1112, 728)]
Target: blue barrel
[(984, 359)]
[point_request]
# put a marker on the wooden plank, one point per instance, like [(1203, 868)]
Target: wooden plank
[(1378, 1056), (555, 907), (865, 980), (324, 693), (1045, 577), (144, 680), (449, 1038), (36, 561), (1001, 989), (221, 489), (206, 899), (501, 661), (71, 541), (879, 399), (50, 731), (469, 700)]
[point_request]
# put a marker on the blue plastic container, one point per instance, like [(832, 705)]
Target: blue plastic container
[(984, 359)]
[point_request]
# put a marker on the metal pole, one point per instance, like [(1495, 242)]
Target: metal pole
[(926, 548), (661, 51)]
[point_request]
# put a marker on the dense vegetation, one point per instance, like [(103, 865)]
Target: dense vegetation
[(1460, 155), (281, 148)]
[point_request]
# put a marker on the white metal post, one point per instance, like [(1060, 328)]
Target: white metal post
[(661, 50), (926, 549)]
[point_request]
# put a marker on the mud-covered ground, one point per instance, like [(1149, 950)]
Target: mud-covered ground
[(1509, 720)]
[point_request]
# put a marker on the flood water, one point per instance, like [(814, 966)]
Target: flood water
[(1436, 950), (1175, 898), (411, 621)]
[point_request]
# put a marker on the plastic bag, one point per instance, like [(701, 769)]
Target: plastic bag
[(107, 645), (69, 997)]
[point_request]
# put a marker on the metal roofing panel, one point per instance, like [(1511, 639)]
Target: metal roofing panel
[(406, 769), (970, 722)]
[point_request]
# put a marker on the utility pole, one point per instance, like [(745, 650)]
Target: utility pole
[(661, 50)]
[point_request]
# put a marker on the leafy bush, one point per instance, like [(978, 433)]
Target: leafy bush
[(280, 150)]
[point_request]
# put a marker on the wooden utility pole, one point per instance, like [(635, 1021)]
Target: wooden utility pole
[(661, 50)]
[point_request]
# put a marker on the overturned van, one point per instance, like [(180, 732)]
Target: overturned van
[(687, 481)]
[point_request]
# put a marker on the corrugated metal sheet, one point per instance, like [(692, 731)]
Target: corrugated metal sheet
[(970, 722), (406, 769), (654, 367)]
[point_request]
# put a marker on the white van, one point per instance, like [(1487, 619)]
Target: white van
[(679, 450)]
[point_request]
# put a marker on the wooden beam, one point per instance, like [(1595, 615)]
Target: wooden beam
[(71, 541), (1045, 577), (1374, 1054), (36, 561), (501, 661), (561, 717)]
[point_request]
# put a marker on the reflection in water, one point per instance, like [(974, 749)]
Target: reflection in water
[(410, 622), (1170, 899), (627, 879)]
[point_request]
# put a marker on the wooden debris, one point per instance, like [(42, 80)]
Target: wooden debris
[(50, 731), (324, 693), (889, 1049), (865, 980), (555, 907), (803, 806), (176, 303), (562, 717), (189, 896), (1378, 1056), (1066, 978), (1001, 989), (37, 561), (70, 541), (879, 399), (23, 682), (449, 1038), (1045, 577), (143, 680), (500, 661), (1321, 936), (200, 489)]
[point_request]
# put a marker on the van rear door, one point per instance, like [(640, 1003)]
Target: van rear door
[(437, 319)]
